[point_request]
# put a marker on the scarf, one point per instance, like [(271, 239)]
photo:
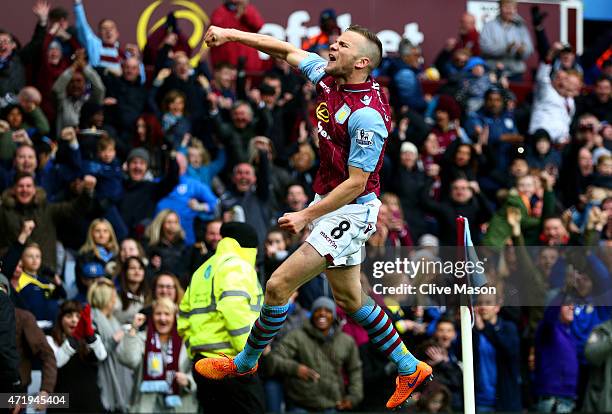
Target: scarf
[(169, 120), (104, 254), (26, 279), (160, 367)]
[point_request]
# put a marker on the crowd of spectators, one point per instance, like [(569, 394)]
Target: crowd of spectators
[(118, 167)]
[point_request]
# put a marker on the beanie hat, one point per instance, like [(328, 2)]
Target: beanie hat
[(139, 152), (243, 233), (324, 302)]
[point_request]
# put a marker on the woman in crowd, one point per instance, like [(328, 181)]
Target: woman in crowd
[(132, 290), (399, 232), (149, 135), (158, 357), (130, 248), (165, 285), (78, 350), (166, 244), (114, 379), (100, 247)]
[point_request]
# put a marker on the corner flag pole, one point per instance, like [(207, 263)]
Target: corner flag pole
[(467, 351)]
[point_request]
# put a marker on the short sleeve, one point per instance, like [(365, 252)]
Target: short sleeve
[(313, 67), (367, 133)]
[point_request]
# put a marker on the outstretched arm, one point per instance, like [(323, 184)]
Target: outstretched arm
[(216, 36)]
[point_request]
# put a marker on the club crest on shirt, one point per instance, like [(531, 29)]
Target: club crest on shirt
[(181, 189), (342, 114), (322, 112), (364, 138)]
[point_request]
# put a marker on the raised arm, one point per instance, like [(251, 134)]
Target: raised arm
[(216, 36)]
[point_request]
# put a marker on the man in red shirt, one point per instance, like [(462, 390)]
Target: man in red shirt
[(353, 124), (236, 14)]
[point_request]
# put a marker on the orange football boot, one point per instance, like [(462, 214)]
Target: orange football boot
[(405, 385), (220, 368)]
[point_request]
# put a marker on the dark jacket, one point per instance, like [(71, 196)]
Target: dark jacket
[(46, 216), (132, 100), (333, 357), (9, 358), (141, 197), (476, 210), (598, 351), (505, 339), (32, 344), (174, 258), (12, 76), (408, 188), (555, 342)]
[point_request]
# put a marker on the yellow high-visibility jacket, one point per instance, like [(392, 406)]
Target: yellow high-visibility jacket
[(221, 303)]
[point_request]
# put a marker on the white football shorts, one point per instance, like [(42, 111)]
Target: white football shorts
[(340, 235)]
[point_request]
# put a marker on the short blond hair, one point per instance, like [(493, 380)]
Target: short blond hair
[(101, 293), (165, 303)]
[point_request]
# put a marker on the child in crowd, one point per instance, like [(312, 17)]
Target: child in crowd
[(201, 165), (175, 123), (524, 198), (476, 80), (35, 292), (109, 190)]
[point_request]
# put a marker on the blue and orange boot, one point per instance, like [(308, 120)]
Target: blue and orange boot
[(405, 385), (220, 368)]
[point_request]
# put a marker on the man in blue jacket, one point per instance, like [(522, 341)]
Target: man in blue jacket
[(405, 86), (556, 383), (188, 199), (497, 363)]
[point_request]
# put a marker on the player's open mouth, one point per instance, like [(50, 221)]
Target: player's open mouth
[(332, 58)]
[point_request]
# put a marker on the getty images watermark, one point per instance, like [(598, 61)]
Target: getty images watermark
[(411, 277)]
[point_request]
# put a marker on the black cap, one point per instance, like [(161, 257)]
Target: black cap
[(243, 233)]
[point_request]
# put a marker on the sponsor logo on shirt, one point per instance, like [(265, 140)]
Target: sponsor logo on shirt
[(329, 240), (364, 138), (320, 69), (322, 112), (342, 114), (324, 86)]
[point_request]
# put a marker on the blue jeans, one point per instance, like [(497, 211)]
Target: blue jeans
[(274, 395), (556, 405)]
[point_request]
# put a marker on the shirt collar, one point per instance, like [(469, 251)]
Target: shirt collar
[(357, 87)]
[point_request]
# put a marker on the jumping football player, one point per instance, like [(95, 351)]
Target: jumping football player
[(353, 122)]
